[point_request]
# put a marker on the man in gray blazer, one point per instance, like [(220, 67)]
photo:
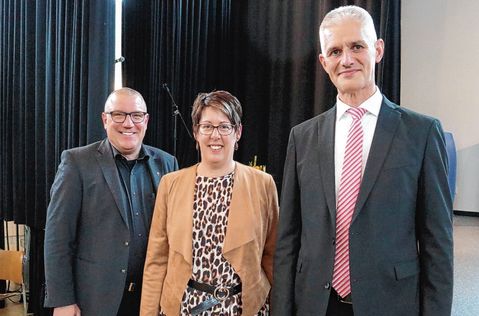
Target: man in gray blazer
[(366, 213), (99, 215)]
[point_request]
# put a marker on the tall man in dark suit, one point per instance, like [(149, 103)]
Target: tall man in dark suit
[(99, 215), (366, 213)]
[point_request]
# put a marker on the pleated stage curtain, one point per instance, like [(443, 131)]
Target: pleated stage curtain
[(264, 52), (56, 69)]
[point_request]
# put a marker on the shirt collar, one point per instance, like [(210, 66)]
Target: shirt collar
[(372, 105), (141, 156)]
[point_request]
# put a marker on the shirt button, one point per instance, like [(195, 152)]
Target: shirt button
[(123, 270), (137, 213), (327, 286), (126, 243), (134, 193)]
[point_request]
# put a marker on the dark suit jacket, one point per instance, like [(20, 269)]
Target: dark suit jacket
[(401, 247), (87, 236)]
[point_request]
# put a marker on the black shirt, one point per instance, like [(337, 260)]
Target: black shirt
[(138, 186)]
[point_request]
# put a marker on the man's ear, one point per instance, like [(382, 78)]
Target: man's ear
[(104, 119), (379, 47), (322, 61)]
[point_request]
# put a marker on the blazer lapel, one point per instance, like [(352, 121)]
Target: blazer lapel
[(110, 173), (155, 173), (386, 127), (181, 227), (240, 228), (326, 126)]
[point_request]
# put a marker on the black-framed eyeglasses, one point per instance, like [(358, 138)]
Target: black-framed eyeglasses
[(120, 117), (224, 129)]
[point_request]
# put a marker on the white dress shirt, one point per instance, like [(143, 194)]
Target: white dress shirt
[(343, 123)]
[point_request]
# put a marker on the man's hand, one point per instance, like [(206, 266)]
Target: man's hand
[(70, 310)]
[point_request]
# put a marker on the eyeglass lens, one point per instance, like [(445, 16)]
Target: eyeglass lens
[(120, 117), (223, 129)]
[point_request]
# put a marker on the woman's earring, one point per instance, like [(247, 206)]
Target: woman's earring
[(197, 146), (236, 145)]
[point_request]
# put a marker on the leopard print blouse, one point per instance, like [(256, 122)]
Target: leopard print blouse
[(210, 219)]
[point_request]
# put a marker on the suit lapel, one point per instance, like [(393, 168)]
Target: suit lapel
[(326, 125), (110, 173), (154, 164), (386, 127)]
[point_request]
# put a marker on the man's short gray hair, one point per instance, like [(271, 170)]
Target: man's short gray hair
[(348, 12), (125, 92)]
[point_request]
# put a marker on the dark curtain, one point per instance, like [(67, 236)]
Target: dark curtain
[(56, 70), (281, 80), (264, 52), (185, 44)]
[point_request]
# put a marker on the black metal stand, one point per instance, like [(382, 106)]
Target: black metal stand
[(176, 114)]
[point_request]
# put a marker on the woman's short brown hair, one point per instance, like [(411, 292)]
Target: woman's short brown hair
[(220, 100)]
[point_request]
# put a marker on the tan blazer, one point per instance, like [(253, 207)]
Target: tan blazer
[(248, 247)]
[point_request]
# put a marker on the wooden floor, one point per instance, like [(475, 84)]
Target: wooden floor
[(466, 270), (12, 309)]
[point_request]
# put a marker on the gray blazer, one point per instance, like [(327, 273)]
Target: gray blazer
[(401, 243), (86, 236)]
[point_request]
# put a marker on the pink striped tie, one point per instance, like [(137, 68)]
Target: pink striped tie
[(347, 196)]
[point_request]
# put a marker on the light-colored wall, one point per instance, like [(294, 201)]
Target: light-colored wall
[(440, 77)]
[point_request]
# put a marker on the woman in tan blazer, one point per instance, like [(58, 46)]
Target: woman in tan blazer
[(212, 238)]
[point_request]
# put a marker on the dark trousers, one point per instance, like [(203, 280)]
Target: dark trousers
[(337, 308), (130, 303)]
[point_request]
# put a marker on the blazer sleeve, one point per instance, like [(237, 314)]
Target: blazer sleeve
[(269, 247), (60, 233), (288, 236), (434, 228), (156, 255)]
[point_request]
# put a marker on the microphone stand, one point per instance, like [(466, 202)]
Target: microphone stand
[(176, 113)]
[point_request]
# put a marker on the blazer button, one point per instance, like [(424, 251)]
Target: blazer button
[(327, 286), (334, 241), (123, 270), (126, 243)]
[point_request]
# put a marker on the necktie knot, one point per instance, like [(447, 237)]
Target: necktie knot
[(357, 113)]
